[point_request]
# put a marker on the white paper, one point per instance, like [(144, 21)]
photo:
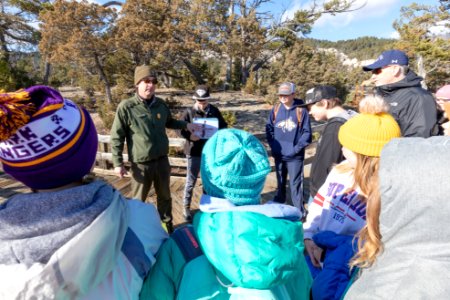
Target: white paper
[(209, 127)]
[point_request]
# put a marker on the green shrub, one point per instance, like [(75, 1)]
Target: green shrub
[(107, 113), (12, 79), (271, 97), (87, 102), (229, 117), (251, 86)]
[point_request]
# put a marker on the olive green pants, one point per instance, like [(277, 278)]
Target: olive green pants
[(158, 172)]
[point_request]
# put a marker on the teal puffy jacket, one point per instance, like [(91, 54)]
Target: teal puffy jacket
[(247, 255)]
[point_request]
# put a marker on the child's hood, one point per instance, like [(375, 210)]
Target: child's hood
[(259, 247)]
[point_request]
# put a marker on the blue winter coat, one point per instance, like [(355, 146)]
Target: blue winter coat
[(332, 281)]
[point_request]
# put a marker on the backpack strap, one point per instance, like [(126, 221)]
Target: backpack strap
[(187, 242), (299, 111), (275, 110), (340, 119), (134, 250)]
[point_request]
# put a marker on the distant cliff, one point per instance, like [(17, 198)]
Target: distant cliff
[(356, 51)]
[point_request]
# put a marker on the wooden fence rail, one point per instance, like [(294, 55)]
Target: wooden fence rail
[(104, 165)]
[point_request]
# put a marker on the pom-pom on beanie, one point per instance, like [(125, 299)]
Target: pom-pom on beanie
[(45, 141), (368, 132), (234, 166)]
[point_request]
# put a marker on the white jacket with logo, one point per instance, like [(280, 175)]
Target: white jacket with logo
[(335, 207)]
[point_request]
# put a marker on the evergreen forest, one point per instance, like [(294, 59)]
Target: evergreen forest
[(228, 44)]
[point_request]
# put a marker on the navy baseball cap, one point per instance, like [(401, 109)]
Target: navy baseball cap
[(389, 57)]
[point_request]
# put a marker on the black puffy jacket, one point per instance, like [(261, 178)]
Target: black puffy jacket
[(412, 106)]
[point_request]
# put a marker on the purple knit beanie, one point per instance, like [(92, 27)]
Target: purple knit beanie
[(45, 141)]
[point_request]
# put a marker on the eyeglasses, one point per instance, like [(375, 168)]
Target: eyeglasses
[(150, 80)]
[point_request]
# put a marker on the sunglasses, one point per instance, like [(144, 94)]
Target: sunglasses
[(201, 100), (150, 80), (377, 71)]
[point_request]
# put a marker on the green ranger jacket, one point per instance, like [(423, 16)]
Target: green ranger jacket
[(143, 128)]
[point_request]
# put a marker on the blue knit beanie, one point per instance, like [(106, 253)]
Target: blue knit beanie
[(234, 166)]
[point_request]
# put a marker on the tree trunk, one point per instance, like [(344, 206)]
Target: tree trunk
[(421, 71), (104, 79), (166, 80), (47, 72), (244, 70), (4, 48), (194, 72), (228, 76), (230, 57)]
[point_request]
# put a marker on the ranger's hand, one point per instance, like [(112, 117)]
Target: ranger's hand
[(120, 171), (194, 127)]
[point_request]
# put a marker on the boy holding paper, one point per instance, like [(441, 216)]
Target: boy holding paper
[(209, 116)]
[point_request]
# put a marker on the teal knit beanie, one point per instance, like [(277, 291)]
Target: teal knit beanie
[(234, 166)]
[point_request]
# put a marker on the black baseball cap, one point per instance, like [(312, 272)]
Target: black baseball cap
[(320, 92), (201, 93)]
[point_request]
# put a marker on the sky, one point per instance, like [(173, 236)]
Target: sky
[(375, 18)]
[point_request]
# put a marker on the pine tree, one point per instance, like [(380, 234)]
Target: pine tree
[(17, 35), (79, 33), (431, 51)]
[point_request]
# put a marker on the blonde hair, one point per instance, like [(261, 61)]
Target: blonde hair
[(366, 170), (366, 178), (374, 105), (369, 237), (365, 173)]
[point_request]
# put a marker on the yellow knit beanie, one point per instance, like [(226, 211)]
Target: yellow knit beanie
[(368, 133)]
